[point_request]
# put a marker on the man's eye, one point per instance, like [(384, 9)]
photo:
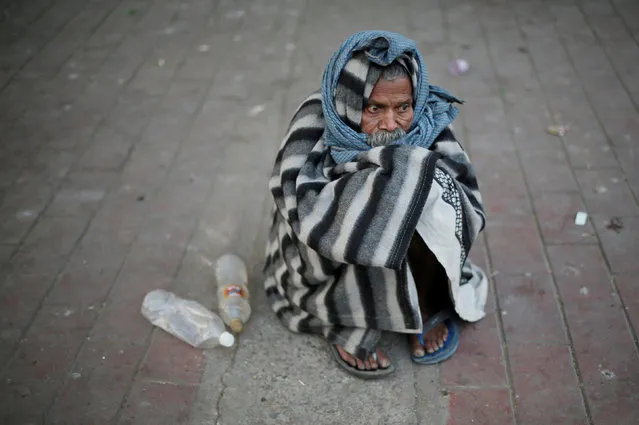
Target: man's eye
[(404, 107), (373, 109)]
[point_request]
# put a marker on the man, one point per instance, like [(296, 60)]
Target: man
[(376, 209)]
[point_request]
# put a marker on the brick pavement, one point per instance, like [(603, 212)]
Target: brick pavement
[(127, 163)]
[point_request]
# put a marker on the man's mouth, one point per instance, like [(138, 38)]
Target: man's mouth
[(383, 137)]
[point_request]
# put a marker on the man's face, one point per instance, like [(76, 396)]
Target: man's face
[(389, 107)]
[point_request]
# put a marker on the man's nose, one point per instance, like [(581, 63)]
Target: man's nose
[(389, 123)]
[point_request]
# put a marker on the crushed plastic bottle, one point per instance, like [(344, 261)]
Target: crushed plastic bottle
[(233, 293), (187, 320)]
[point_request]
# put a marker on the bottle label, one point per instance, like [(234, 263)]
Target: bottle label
[(234, 291)]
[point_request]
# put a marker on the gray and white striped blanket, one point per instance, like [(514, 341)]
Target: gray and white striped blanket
[(336, 256)]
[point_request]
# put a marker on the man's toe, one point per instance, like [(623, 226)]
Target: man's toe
[(442, 336), (345, 356), (373, 363), (383, 360), (417, 347)]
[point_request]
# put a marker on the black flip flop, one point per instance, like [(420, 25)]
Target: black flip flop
[(363, 374)]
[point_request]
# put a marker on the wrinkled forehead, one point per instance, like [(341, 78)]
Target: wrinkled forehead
[(356, 83)]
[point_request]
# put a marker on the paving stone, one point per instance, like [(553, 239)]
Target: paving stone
[(9, 171), (24, 402), (167, 361), (104, 372), (479, 255), (585, 286), (546, 385), (593, 309), (15, 98), (546, 50), (482, 406), (149, 163), (5, 252), (182, 197), (53, 55), (574, 27), (48, 245), (523, 256), (526, 109), (80, 194), (487, 113), (21, 298), (628, 293), (184, 98), (124, 123), (629, 159), (75, 201), (124, 207), (153, 77), (478, 361), (556, 213), (84, 23), (482, 81), (583, 154), (610, 382), (15, 223), (53, 19), (92, 268), (529, 309), (134, 103), (621, 127), (32, 196), (108, 151), (139, 408), (50, 344), (619, 243), (40, 364), (120, 320), (166, 130), (548, 171), (160, 245), (501, 180), (276, 389), (606, 193)]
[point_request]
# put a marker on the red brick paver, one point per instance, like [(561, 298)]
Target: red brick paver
[(84, 158), (565, 292), (125, 135)]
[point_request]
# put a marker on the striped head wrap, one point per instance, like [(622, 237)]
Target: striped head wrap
[(349, 80)]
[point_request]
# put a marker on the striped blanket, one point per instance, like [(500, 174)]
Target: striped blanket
[(336, 258)]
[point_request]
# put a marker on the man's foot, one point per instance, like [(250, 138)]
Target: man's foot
[(433, 341), (383, 361)]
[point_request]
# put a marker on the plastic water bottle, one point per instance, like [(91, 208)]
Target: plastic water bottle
[(187, 320), (232, 294)]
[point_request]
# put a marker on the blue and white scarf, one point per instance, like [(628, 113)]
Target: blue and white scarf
[(347, 84)]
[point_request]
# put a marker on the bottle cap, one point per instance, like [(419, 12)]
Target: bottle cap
[(236, 325), (227, 339)]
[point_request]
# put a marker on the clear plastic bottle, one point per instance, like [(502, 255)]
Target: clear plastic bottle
[(187, 320), (233, 293)]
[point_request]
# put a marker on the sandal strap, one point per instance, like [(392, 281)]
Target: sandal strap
[(435, 320)]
